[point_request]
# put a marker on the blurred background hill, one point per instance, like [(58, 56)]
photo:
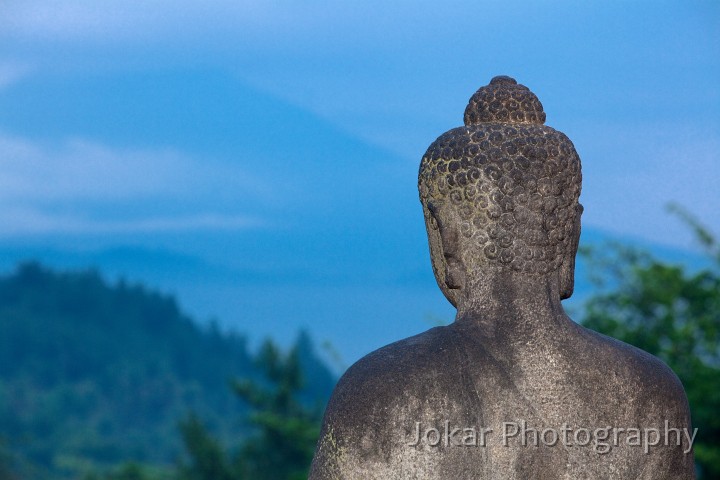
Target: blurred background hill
[(94, 374), (255, 212)]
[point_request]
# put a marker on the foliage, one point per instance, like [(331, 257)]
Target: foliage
[(6, 463), (94, 375), (207, 458), (131, 471), (285, 429), (673, 314)]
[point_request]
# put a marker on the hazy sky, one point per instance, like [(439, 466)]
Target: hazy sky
[(284, 137), (634, 84)]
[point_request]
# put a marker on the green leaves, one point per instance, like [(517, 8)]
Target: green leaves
[(673, 314), (285, 430), (207, 458)]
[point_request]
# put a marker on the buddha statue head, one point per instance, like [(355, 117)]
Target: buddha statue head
[(500, 194)]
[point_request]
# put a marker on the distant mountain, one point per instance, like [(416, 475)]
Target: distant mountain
[(340, 218), (216, 121), (341, 248), (356, 307), (92, 374)]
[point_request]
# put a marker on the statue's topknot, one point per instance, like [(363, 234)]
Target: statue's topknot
[(504, 101), (513, 181)]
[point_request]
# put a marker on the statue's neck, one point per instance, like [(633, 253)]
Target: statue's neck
[(512, 307)]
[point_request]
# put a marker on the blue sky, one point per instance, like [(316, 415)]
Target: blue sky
[(265, 153)]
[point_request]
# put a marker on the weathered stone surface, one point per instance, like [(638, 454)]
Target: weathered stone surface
[(500, 198)]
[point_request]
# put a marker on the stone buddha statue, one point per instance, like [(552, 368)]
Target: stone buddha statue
[(513, 389)]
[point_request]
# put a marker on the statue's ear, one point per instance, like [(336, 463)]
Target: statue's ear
[(439, 240), (567, 268), (449, 235)]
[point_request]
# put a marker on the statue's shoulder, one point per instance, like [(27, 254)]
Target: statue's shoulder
[(643, 376), (407, 367), (370, 417)]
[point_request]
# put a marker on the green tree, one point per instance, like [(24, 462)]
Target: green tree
[(130, 471), (285, 429), (207, 458), (6, 463), (674, 314)]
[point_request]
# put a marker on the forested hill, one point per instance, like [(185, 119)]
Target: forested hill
[(93, 374)]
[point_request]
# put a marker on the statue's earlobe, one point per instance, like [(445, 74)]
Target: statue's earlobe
[(450, 246), (567, 268), (439, 242)]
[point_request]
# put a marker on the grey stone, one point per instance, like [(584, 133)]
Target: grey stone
[(500, 199)]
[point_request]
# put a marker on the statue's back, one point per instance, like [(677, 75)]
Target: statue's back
[(386, 410), (514, 389)]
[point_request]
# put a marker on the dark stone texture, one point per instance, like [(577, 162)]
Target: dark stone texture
[(500, 197)]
